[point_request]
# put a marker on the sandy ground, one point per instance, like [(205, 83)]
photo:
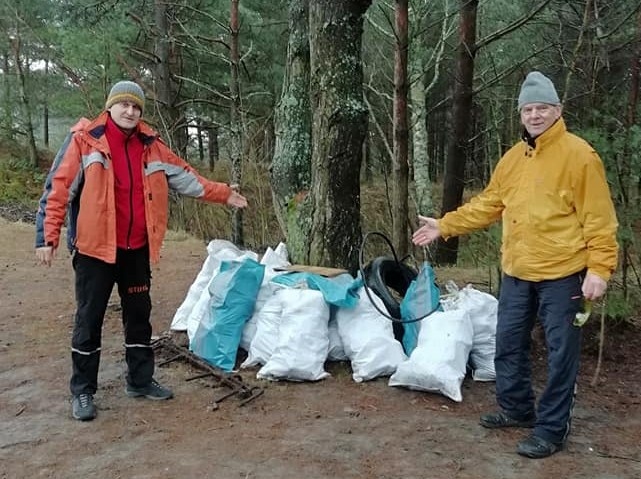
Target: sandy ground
[(335, 428)]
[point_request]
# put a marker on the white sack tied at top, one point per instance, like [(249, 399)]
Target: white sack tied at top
[(482, 308), (368, 338), (272, 259), (439, 361), (196, 302)]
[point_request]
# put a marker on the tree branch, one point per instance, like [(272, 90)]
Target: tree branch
[(511, 27)]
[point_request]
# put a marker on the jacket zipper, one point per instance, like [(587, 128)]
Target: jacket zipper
[(131, 194)]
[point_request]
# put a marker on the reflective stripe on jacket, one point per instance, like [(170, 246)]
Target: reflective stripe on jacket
[(82, 179), (555, 205)]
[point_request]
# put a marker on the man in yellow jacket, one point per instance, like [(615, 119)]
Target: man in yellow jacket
[(113, 176), (559, 250)]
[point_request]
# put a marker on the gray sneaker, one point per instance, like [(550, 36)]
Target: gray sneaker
[(83, 408), (152, 391)]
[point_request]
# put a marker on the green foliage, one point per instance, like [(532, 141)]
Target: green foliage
[(20, 184), (618, 308)]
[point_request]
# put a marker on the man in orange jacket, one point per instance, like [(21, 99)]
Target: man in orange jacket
[(113, 174), (559, 250)]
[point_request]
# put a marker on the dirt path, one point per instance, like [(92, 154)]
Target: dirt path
[(331, 429)]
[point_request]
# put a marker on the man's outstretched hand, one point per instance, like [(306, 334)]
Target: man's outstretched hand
[(236, 199), (428, 231)]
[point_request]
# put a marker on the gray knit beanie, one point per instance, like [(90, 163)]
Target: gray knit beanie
[(537, 88), (126, 91)]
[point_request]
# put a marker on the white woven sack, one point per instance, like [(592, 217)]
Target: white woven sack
[(303, 338), (368, 339), (482, 308), (217, 251), (267, 322), (438, 363)]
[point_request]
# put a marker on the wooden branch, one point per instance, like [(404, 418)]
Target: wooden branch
[(508, 71), (577, 47), (615, 456), (437, 53), (599, 360), (494, 80), (387, 34), (509, 28), (186, 6), (616, 28), (202, 38), (388, 148), (204, 86), (147, 55), (206, 101)]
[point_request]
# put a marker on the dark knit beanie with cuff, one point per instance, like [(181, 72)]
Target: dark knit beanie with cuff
[(126, 91), (537, 88)]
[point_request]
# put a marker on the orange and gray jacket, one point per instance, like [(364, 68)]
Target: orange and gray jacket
[(555, 205), (82, 180)]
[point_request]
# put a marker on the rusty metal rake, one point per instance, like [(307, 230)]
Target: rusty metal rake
[(234, 382)]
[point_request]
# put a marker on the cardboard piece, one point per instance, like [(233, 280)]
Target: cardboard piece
[(323, 271)]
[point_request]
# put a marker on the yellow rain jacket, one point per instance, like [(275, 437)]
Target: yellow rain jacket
[(555, 204)]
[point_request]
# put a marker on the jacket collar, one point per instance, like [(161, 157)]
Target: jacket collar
[(95, 129), (549, 136)]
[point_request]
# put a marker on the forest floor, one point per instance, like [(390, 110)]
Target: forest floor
[(334, 428)]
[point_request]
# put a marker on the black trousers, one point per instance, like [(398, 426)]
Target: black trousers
[(555, 303), (95, 280)]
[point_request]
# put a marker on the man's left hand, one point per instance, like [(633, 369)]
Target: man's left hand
[(593, 286)]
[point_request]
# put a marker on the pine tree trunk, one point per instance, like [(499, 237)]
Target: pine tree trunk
[(171, 117), (236, 148), (291, 164), (400, 169), (339, 126), (454, 179), (24, 103)]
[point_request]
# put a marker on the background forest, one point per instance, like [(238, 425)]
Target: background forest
[(336, 117)]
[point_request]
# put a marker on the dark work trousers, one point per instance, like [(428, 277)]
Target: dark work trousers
[(555, 303), (95, 280)]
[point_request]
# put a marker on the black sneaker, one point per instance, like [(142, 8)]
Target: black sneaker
[(83, 408), (499, 419), (152, 391), (536, 447)]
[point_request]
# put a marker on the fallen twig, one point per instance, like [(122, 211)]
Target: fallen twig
[(595, 378)]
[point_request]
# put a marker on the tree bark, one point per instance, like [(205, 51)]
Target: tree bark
[(400, 167), (421, 163), (626, 179), (235, 124), (6, 120), (171, 117), (457, 150), (339, 125), (212, 135), (291, 165), (45, 112), (24, 103)]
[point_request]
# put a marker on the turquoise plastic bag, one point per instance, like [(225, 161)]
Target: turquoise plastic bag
[(422, 297), (339, 291), (233, 296)]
